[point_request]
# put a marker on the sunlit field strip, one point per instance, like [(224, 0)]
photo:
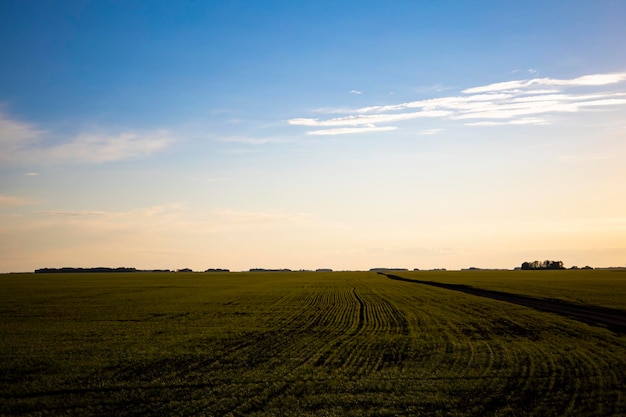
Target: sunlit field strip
[(292, 344)]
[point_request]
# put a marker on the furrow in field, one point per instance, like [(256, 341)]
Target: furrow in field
[(377, 339), (335, 320), (328, 346), (595, 315), (279, 351), (515, 367)]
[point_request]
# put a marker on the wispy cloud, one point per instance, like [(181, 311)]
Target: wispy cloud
[(107, 148), (168, 218), (517, 102), (430, 131), (15, 134), (23, 142), (162, 236), (357, 92), (11, 201), (370, 120), (78, 213), (522, 121), (586, 80), (350, 130)]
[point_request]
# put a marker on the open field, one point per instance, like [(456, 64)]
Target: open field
[(291, 343), (599, 287), (597, 315)]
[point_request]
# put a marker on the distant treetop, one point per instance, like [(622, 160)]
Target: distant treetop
[(66, 270), (543, 265)]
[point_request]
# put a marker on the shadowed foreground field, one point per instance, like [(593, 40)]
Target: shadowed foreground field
[(289, 343)]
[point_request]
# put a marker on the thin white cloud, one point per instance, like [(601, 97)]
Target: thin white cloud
[(429, 131), (518, 102), (350, 130), (486, 124), (167, 218), (501, 86), (15, 134), (173, 216), (357, 92), (523, 121), (23, 142), (77, 213), (604, 102), (586, 80), (108, 148), (448, 103), (358, 120)]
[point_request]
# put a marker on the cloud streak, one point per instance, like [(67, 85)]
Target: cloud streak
[(11, 201), (586, 80), (174, 218), (350, 130), (369, 120), (518, 102), (23, 142)]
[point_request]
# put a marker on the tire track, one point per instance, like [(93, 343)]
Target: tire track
[(613, 319)]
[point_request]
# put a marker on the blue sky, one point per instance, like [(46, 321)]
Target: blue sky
[(348, 135)]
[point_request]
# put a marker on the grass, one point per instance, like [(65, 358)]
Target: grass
[(342, 343), (606, 288)]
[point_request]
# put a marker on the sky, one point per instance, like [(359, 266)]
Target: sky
[(312, 134)]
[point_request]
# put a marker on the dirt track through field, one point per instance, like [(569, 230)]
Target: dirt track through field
[(613, 319)]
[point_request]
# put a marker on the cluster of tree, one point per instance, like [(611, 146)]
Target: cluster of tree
[(66, 270), (543, 265), (217, 270)]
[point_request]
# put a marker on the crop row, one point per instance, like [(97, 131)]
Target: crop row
[(300, 344)]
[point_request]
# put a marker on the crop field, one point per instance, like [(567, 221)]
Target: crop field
[(306, 344), (605, 288)]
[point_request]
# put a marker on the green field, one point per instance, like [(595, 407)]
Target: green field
[(300, 343), (605, 288)]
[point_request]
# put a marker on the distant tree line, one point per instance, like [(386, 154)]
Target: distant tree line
[(66, 270), (543, 265)]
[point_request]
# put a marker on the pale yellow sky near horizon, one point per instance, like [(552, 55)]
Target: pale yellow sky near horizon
[(223, 135)]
